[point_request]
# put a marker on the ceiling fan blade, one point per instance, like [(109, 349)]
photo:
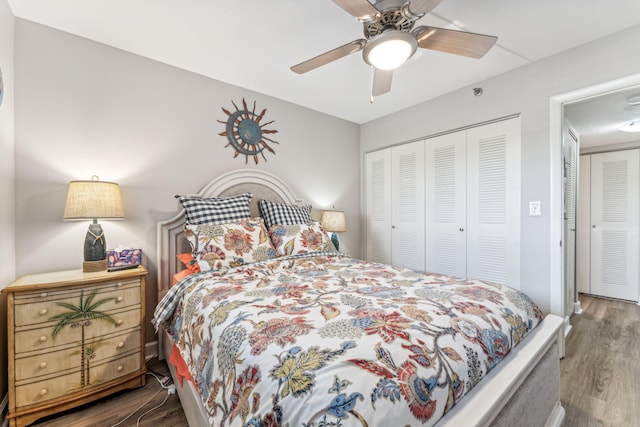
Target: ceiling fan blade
[(330, 56), (361, 9), (423, 6), (452, 41), (381, 81)]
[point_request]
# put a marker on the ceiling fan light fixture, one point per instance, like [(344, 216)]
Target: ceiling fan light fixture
[(630, 127), (390, 50)]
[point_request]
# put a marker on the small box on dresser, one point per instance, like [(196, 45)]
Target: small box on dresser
[(73, 337)]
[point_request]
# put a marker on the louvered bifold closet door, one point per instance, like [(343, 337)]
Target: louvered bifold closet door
[(614, 224), (583, 226), (407, 205), (378, 216), (446, 210), (570, 154), (493, 201)]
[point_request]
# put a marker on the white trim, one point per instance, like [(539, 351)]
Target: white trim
[(150, 350), (577, 308), (556, 417), (556, 288), (567, 326)]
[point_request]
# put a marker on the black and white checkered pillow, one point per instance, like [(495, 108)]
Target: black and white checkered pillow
[(217, 210), (277, 213)]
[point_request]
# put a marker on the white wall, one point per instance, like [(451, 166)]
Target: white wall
[(7, 178), (526, 91), (84, 108)]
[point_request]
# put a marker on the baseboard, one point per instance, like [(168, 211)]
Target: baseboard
[(567, 326), (151, 350), (577, 308), (4, 408), (556, 417)]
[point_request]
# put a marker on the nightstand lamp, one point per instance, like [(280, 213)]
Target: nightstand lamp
[(90, 200), (334, 222)]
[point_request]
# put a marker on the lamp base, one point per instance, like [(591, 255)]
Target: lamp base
[(94, 266), (334, 240)]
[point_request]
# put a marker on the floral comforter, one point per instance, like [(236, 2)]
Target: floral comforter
[(333, 341)]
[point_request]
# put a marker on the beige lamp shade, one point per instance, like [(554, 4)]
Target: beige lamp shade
[(334, 221), (92, 200)]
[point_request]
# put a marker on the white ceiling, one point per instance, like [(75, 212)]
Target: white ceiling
[(252, 43), (597, 119)]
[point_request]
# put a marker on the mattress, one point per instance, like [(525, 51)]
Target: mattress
[(319, 340)]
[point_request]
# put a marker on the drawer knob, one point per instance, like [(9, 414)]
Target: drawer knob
[(43, 365), (119, 284), (43, 392), (120, 344), (119, 322), (119, 299), (43, 311), (43, 338), (43, 295), (120, 368)]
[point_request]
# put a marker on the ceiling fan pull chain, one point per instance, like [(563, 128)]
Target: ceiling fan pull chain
[(372, 76)]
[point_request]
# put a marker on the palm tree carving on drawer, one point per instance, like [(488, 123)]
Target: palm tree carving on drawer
[(82, 316)]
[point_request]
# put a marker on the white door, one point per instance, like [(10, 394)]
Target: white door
[(570, 154), (407, 205), (493, 202), (378, 217), (614, 224), (446, 210)]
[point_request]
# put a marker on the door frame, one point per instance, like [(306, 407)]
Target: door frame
[(556, 223)]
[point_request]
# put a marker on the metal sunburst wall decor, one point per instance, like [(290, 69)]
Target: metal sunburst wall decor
[(246, 132)]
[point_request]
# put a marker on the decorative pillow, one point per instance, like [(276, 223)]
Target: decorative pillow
[(190, 263), (300, 239), (229, 245), (278, 213), (217, 210)]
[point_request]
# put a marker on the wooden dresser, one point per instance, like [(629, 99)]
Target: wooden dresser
[(73, 337)]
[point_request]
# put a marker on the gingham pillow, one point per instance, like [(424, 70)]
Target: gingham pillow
[(216, 210), (278, 213), (229, 245), (300, 239)]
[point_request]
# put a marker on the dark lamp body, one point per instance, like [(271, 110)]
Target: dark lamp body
[(95, 245)]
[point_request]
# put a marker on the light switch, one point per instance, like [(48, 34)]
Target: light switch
[(535, 208)]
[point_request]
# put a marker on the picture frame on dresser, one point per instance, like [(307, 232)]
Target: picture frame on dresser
[(73, 337)]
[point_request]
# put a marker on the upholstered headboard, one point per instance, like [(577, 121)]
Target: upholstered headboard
[(171, 240)]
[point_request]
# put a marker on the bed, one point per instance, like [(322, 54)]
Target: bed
[(376, 344)]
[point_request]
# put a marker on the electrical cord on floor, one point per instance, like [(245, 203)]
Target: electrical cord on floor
[(171, 389)]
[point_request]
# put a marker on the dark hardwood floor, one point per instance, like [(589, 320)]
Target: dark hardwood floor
[(600, 378)]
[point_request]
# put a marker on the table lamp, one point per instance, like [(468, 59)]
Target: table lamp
[(90, 200), (334, 222)]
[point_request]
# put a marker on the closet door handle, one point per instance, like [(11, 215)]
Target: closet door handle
[(393, 226), (461, 229), (593, 226)]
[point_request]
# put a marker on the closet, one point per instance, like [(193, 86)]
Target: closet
[(466, 220), (395, 205), (608, 224)]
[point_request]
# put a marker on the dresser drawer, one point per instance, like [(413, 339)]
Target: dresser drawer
[(41, 391), (41, 339), (33, 308), (68, 359)]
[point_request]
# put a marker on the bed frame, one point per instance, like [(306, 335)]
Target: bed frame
[(522, 390)]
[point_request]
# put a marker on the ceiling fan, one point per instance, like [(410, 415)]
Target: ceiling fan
[(391, 39)]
